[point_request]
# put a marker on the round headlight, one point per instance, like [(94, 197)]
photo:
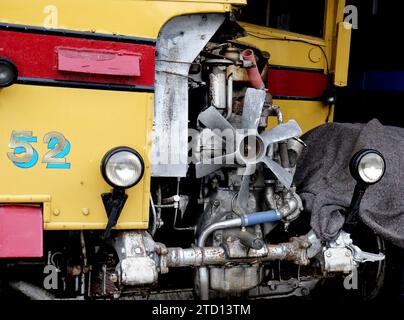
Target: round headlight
[(122, 167), (368, 166), (8, 72)]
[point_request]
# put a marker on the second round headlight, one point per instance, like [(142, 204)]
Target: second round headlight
[(371, 168), (122, 167), (368, 166)]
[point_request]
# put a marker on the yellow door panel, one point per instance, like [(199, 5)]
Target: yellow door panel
[(125, 17)]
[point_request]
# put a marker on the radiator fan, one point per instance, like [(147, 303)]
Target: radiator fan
[(250, 147)]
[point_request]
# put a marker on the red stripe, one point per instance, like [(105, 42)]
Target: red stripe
[(297, 83), (36, 56)]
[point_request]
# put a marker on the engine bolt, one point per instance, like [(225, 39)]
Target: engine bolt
[(114, 278), (216, 203), (328, 254), (56, 212), (305, 292), (348, 254)]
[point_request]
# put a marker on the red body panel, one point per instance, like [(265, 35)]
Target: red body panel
[(21, 231), (36, 56)]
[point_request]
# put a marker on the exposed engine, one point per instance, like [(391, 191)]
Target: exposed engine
[(237, 202), (232, 218)]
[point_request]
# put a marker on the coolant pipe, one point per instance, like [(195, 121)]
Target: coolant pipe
[(253, 73), (260, 218), (244, 221)]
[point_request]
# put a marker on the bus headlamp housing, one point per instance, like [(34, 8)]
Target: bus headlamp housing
[(368, 167), (122, 168)]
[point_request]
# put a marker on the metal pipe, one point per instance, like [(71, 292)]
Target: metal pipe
[(229, 96), (195, 257), (203, 271), (209, 256), (177, 199), (276, 110), (159, 202), (279, 116), (250, 240), (227, 224), (253, 73), (155, 218), (244, 221)]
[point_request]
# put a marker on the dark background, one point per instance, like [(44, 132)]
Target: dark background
[(377, 45)]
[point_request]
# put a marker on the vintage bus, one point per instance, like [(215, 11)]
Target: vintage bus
[(115, 178)]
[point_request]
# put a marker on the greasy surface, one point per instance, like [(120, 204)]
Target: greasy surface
[(326, 186)]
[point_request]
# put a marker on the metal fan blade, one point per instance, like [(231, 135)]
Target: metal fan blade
[(204, 169), (253, 103), (243, 194), (212, 119), (281, 132), (281, 173)]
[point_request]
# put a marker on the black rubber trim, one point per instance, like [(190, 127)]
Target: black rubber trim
[(83, 85), (297, 98), (76, 34), (296, 68), (7, 62)]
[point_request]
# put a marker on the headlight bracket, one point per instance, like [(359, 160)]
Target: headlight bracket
[(114, 203), (352, 214)]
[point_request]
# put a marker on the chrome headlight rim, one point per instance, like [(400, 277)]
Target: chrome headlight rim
[(107, 158), (12, 67), (357, 161)]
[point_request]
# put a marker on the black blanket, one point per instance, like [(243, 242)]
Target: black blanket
[(326, 186)]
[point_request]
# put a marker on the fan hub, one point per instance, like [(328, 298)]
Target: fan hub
[(251, 149)]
